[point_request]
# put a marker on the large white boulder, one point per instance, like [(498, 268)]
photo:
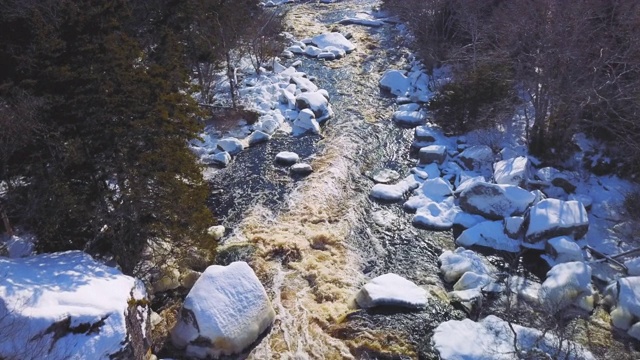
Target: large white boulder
[(410, 115), (493, 339), (514, 171), (552, 217), (495, 201), (391, 290), (225, 312), (395, 82), (565, 283), (564, 249), (333, 39), (53, 306), (258, 137), (626, 295)]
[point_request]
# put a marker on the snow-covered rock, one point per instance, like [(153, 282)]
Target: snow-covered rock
[(425, 134), (394, 192), (18, 245), (395, 82), (454, 264), (303, 84), (391, 290), (524, 288), (231, 145), (301, 169), (337, 52), (326, 55), (513, 226), (555, 177), (361, 21), (258, 137), (63, 304), (431, 190), (410, 115), (437, 216), (334, 39), (312, 51), (471, 280), (432, 154), (222, 158), (514, 171), (317, 102), (492, 339), (287, 158), (488, 234), (305, 122), (216, 231), (564, 249), (476, 157), (552, 217), (564, 284), (495, 201), (633, 266), (626, 295), (225, 311)]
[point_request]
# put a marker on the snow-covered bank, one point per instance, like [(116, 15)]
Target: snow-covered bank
[(67, 305)]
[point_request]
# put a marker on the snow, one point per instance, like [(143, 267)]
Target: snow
[(431, 190), (222, 158), (564, 249), (553, 217), (362, 19), (488, 234), (225, 312), (436, 215), (231, 145), (471, 280), (454, 264), (257, 137), (513, 226), (524, 288), (391, 290), (626, 293), (495, 201), (395, 192), (305, 122), (395, 82), (19, 245), (492, 339), (633, 266), (564, 284), (317, 102), (287, 158), (39, 291), (514, 171), (334, 39), (476, 157)]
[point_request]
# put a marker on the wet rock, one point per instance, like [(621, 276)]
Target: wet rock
[(391, 290), (552, 217), (301, 169), (225, 311), (385, 176), (495, 201)]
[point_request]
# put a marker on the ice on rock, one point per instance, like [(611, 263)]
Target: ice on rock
[(395, 82), (225, 312), (432, 154), (495, 201), (391, 290), (514, 171), (334, 39), (410, 115), (287, 158), (317, 102), (564, 284), (64, 291), (231, 145), (454, 264), (492, 339), (488, 234), (395, 192), (552, 217)]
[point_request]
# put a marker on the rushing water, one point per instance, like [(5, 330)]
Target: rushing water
[(314, 241)]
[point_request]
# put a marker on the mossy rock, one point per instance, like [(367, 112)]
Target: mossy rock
[(234, 252)]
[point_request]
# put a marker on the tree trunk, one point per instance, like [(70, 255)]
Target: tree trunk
[(5, 220)]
